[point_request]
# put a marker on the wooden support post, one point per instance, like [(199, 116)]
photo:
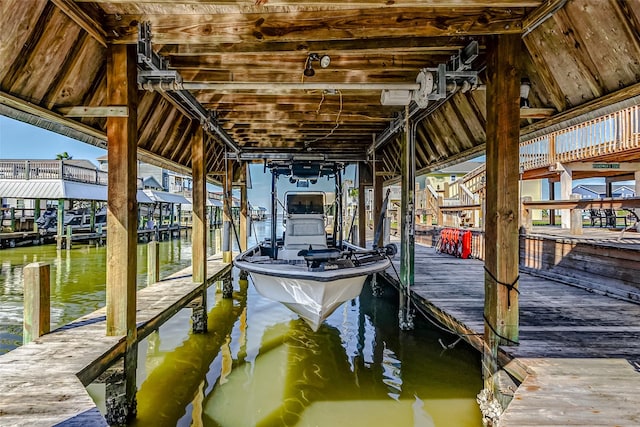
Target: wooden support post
[(218, 240), (153, 262), (226, 213), (364, 180), (12, 219), (36, 301), (552, 196), (501, 246), (525, 216), (440, 220), (67, 244), (60, 224), (122, 89), (243, 218), (36, 215), (407, 225), (92, 217), (377, 207), (576, 218), (566, 184), (199, 234)]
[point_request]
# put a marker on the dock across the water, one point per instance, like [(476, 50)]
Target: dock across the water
[(578, 357)]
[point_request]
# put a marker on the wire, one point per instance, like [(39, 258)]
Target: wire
[(308, 143)]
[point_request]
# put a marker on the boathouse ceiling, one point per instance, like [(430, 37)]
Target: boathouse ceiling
[(577, 56)]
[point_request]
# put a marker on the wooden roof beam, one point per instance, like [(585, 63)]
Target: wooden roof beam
[(353, 24)]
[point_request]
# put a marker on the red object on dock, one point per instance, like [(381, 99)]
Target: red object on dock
[(456, 242)]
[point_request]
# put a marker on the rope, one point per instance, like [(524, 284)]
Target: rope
[(510, 286), (496, 332)]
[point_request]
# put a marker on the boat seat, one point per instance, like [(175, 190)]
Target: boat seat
[(303, 232)]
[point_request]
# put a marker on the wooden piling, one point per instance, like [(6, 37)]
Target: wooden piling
[(122, 236), (501, 307), (243, 217), (576, 218), (60, 224), (67, 243), (153, 262), (36, 301)]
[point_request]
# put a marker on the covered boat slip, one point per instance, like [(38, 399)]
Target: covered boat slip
[(43, 382), (578, 355), (401, 88)]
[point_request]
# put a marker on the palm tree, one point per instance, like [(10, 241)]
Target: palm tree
[(63, 156)]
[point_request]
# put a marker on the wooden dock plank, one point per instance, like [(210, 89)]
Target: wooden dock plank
[(43, 382), (578, 347)]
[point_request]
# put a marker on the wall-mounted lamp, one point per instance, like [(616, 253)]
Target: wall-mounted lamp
[(525, 87), (324, 61)]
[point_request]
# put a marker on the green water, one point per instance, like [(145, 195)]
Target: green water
[(78, 279), (259, 365)]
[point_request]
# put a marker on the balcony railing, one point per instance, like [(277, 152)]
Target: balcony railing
[(50, 169)]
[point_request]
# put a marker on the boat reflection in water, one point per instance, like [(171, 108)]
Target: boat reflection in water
[(261, 365)]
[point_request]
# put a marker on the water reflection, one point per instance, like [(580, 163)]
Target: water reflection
[(259, 365), (78, 278)]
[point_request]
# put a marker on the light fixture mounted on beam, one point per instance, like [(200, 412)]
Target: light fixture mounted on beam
[(324, 61)]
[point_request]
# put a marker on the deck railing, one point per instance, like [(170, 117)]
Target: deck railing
[(50, 169), (612, 133)]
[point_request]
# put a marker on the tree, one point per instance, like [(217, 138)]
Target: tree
[(63, 156)]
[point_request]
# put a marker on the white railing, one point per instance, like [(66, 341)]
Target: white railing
[(50, 169), (609, 134)]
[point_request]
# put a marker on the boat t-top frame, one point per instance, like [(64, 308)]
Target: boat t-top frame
[(310, 171)]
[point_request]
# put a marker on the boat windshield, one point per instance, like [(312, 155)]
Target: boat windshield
[(305, 203)]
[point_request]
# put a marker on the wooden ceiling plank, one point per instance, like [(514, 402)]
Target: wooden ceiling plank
[(538, 58), (468, 114), (86, 59), (426, 144), (24, 32), (587, 68), (457, 125), (352, 23), (80, 17)]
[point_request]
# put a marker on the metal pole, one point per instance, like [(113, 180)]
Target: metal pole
[(274, 209), (178, 86)]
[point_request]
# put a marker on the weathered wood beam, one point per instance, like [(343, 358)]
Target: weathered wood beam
[(87, 111), (350, 23), (586, 108), (80, 17), (501, 309), (382, 45), (122, 210), (536, 113), (360, 4), (30, 108), (541, 14), (199, 235)]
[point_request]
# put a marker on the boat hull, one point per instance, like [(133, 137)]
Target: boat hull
[(312, 300), (313, 294)]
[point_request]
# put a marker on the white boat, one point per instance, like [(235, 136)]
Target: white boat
[(305, 270)]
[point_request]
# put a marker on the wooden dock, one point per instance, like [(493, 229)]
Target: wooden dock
[(579, 351), (43, 383)]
